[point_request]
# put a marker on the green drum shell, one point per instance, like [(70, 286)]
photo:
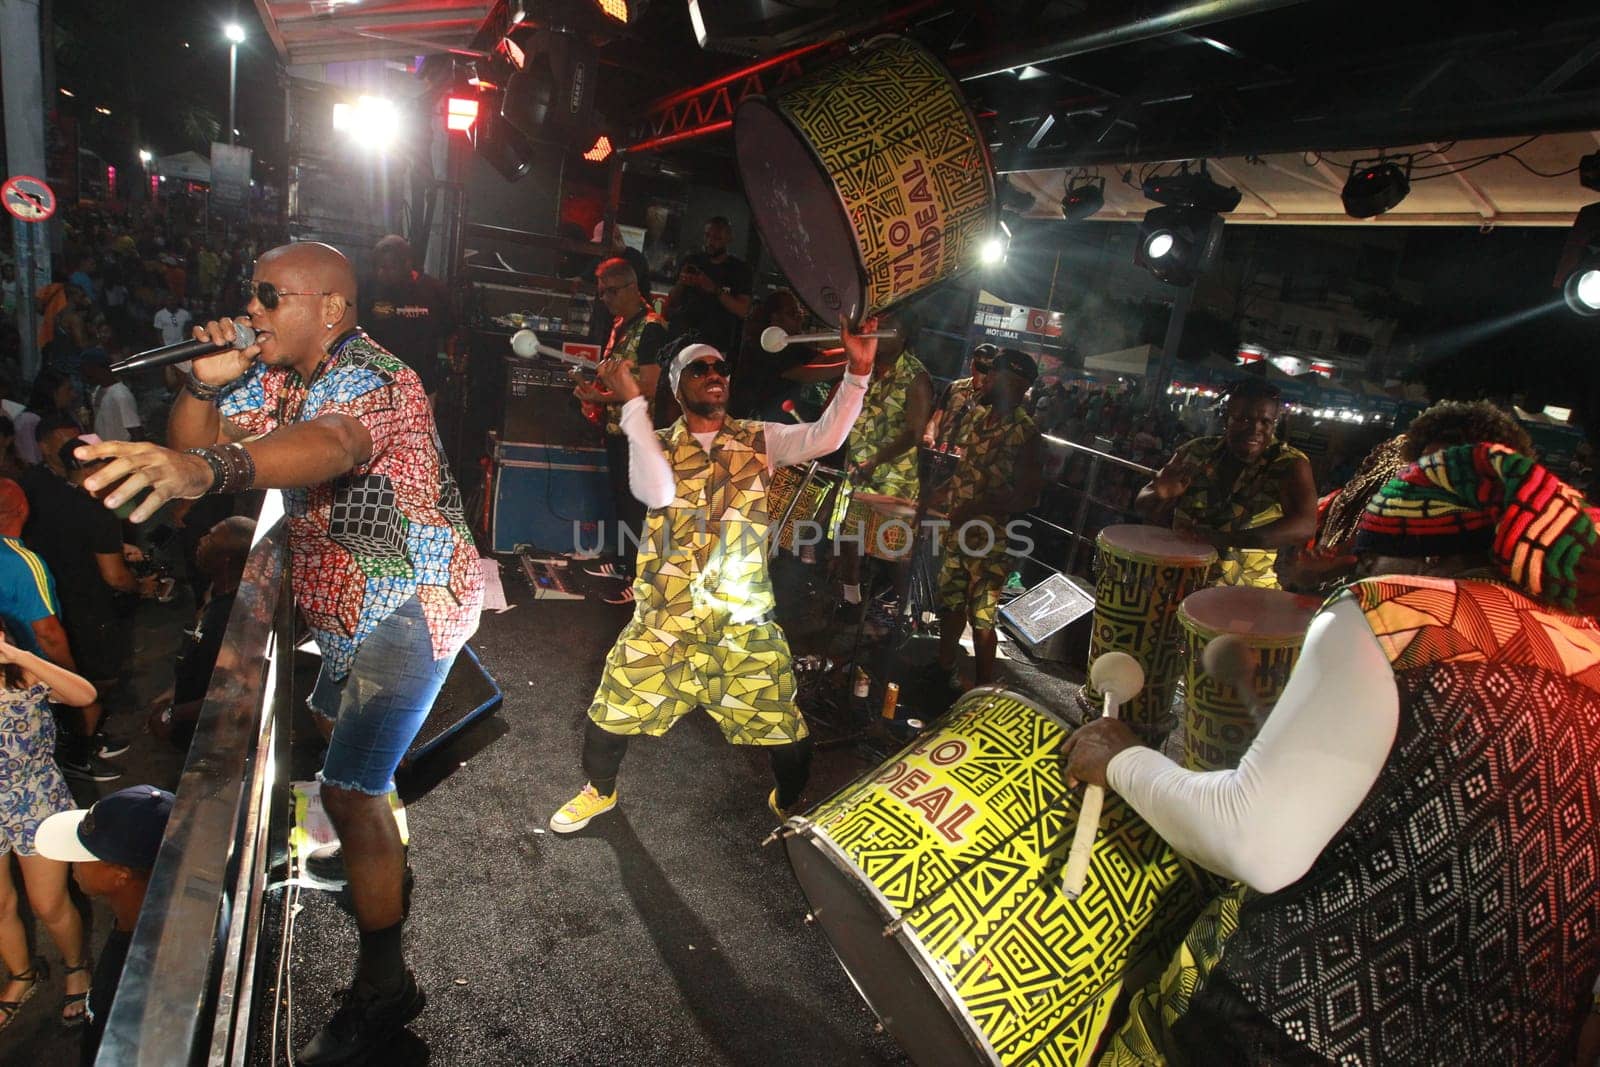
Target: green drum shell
[(965, 835)]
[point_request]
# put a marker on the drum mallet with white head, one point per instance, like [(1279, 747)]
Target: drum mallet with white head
[(526, 344), (1119, 676), (776, 339)]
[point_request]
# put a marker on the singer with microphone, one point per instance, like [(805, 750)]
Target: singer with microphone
[(300, 398)]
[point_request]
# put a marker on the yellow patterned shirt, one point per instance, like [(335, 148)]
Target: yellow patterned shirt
[(990, 448), (955, 413), (703, 562), (883, 417), (1253, 501)]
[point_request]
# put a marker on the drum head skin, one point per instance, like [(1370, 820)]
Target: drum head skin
[(1156, 544), (798, 210), (888, 505), (885, 972), (1265, 613)]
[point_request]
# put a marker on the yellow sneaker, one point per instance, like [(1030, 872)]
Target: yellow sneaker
[(576, 813), (772, 806)]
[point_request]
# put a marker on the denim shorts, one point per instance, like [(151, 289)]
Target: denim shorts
[(380, 705)]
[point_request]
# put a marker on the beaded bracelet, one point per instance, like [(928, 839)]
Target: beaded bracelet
[(201, 391), (233, 469)]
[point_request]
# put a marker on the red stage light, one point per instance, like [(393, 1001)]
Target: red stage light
[(460, 113), (615, 9), (601, 150)]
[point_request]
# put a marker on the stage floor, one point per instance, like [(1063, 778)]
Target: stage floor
[(663, 933)]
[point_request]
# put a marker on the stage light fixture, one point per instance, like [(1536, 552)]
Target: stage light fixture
[(601, 150), (1084, 197), (460, 112), (1578, 270), (501, 146), (1178, 242), (373, 122), (1371, 190), (1583, 291), (992, 251), (550, 97)]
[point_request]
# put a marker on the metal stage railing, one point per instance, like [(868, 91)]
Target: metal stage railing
[(1086, 505), (188, 989)]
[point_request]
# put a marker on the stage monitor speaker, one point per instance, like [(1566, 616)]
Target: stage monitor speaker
[(541, 410), (469, 693), (1052, 620)]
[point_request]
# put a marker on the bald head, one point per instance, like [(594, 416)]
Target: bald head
[(312, 266), (312, 288)]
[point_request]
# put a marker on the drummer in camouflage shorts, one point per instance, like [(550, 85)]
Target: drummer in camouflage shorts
[(999, 476)]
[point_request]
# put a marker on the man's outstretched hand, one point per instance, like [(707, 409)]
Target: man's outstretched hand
[(134, 466), (860, 351)]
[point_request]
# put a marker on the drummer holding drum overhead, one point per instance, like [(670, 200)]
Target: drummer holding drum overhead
[(1245, 493)]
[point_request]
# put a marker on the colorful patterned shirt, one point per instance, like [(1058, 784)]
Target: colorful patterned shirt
[(990, 448), (1451, 920), (1253, 501), (883, 417), (634, 341), (390, 529), (958, 408)]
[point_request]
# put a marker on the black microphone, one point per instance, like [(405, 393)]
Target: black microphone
[(244, 336)]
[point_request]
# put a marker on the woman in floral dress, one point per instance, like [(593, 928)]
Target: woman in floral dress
[(31, 790)]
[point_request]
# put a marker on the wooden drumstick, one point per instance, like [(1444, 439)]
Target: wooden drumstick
[(1119, 676), (1231, 661)]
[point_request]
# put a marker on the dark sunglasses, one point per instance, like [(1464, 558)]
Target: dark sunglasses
[(269, 294), (700, 368)]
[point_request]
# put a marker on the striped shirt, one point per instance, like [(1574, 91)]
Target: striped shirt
[(27, 593)]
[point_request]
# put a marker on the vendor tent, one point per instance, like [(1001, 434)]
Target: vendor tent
[(185, 166)]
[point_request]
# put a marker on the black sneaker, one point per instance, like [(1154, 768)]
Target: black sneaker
[(107, 746), (326, 864), (363, 1024), (86, 768)]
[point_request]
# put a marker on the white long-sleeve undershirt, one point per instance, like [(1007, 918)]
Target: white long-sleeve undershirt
[(650, 472), (1313, 763)]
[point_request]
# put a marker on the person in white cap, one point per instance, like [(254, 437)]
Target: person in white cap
[(703, 631)]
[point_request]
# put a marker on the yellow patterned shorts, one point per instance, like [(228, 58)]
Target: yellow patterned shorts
[(972, 584), (744, 680)]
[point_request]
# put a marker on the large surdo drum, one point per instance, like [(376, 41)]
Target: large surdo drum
[(961, 840), (869, 179)]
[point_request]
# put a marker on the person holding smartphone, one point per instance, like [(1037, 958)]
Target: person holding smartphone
[(712, 294)]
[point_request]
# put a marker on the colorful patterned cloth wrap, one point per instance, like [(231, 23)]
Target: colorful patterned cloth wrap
[(1451, 919), (1469, 498), (626, 348), (976, 565), (1253, 501), (702, 632), (882, 418), (389, 530), (31, 786)]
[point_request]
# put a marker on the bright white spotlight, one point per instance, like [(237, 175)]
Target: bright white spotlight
[(145, 157), (992, 252), (1158, 245), (373, 122), (234, 32), (1587, 290)]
